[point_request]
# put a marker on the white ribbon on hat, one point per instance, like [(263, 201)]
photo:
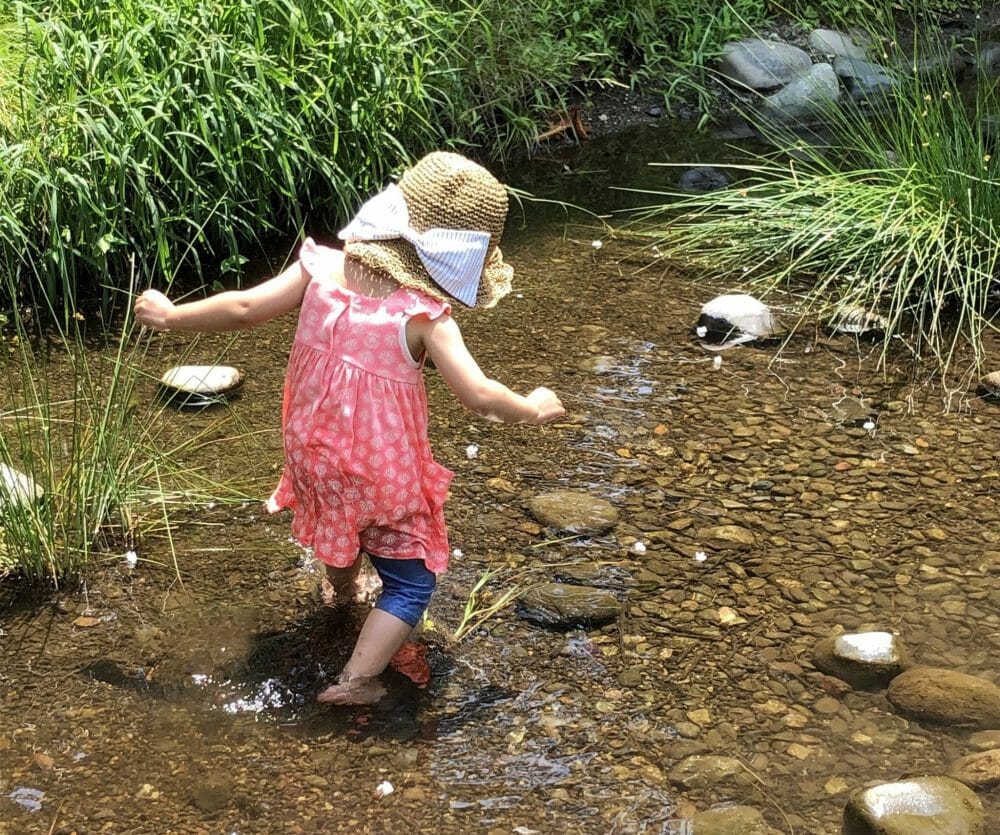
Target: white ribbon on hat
[(454, 258)]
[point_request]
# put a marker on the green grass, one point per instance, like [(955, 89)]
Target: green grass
[(83, 424), (897, 213), (184, 133)]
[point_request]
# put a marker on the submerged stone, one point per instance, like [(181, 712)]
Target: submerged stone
[(703, 178), (922, 806), (946, 697), (727, 536), (852, 319), (735, 318), (562, 605), (736, 820), (701, 770), (990, 383), (17, 488), (862, 659), (571, 512), (980, 770)]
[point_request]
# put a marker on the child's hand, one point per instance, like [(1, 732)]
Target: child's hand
[(548, 404), (152, 309)]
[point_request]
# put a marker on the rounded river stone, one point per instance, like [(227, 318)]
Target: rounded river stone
[(564, 605), (736, 820), (201, 379), (946, 697), (862, 659), (571, 512), (980, 770), (937, 805)]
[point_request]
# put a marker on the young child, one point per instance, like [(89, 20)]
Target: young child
[(359, 473)]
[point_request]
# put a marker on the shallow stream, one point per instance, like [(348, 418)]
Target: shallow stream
[(189, 707)]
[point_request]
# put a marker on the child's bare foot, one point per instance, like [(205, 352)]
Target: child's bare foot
[(363, 690)]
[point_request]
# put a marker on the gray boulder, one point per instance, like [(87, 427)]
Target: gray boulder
[(832, 43), (863, 79), (807, 96), (762, 65)]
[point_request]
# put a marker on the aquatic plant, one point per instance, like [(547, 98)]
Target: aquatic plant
[(892, 208), (99, 449)]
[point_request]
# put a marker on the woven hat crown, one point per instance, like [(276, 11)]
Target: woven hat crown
[(447, 190)]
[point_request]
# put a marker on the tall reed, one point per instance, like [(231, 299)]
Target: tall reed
[(898, 211), (83, 425)]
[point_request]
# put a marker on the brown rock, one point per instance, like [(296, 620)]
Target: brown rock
[(981, 771), (946, 697)]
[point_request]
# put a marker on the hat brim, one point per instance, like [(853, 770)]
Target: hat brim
[(400, 260)]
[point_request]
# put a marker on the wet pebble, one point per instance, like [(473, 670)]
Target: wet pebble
[(922, 805), (213, 792), (862, 659), (980, 770), (571, 512), (946, 697)]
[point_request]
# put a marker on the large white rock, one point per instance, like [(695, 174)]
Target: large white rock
[(205, 380), (17, 487), (735, 318)]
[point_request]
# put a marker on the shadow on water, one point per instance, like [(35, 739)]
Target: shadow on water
[(278, 679)]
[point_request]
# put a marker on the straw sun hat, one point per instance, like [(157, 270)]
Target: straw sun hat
[(444, 191)]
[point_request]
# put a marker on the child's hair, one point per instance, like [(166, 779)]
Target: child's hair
[(437, 231)]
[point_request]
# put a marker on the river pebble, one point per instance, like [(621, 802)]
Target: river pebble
[(922, 806), (571, 512), (863, 659), (947, 697)]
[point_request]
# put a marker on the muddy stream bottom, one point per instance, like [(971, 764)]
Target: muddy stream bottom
[(187, 705)]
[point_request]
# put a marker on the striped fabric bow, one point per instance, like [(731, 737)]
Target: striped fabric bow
[(454, 258)]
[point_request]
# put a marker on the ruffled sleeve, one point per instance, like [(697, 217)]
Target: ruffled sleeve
[(420, 304), (319, 261)]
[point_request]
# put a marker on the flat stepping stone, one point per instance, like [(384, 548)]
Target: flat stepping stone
[(923, 806), (200, 385), (563, 606), (571, 512)]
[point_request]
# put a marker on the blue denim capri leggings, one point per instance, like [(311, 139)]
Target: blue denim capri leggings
[(407, 586)]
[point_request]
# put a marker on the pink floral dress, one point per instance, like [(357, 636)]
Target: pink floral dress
[(359, 473)]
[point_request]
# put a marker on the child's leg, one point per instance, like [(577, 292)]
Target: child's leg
[(338, 586), (407, 586)]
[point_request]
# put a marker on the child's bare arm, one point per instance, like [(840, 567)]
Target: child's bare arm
[(478, 393), (229, 311)]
